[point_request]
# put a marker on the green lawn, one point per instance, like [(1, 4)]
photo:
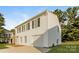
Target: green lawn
[(66, 47), (3, 46)]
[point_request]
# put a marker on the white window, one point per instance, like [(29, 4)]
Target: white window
[(17, 30), (28, 26), (24, 27), (35, 23), (32, 24)]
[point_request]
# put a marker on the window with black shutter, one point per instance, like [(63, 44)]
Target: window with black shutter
[(38, 22)]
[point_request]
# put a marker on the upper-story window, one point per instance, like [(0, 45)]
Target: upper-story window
[(38, 22), (35, 24), (22, 28), (28, 26), (19, 29), (6, 35), (9, 35)]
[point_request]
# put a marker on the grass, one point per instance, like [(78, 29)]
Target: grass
[(3, 46), (66, 47)]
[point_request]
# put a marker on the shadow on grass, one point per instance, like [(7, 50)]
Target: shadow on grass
[(42, 49)]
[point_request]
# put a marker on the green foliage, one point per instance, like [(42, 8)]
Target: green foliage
[(3, 46), (1, 23), (59, 14), (70, 32), (2, 30)]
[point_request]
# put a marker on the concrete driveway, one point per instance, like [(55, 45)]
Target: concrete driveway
[(20, 49)]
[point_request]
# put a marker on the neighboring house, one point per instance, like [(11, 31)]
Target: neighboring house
[(42, 30), (5, 37)]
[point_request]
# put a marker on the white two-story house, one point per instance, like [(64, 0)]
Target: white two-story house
[(42, 30)]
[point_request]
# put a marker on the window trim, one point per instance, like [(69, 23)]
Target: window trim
[(28, 26), (33, 24)]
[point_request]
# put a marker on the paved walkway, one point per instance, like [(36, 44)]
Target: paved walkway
[(20, 49)]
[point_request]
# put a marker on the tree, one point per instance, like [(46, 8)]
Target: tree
[(70, 31), (2, 30), (59, 14), (71, 14), (1, 23)]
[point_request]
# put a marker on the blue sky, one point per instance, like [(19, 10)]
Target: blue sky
[(15, 15)]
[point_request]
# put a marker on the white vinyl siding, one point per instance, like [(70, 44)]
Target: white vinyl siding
[(25, 39)]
